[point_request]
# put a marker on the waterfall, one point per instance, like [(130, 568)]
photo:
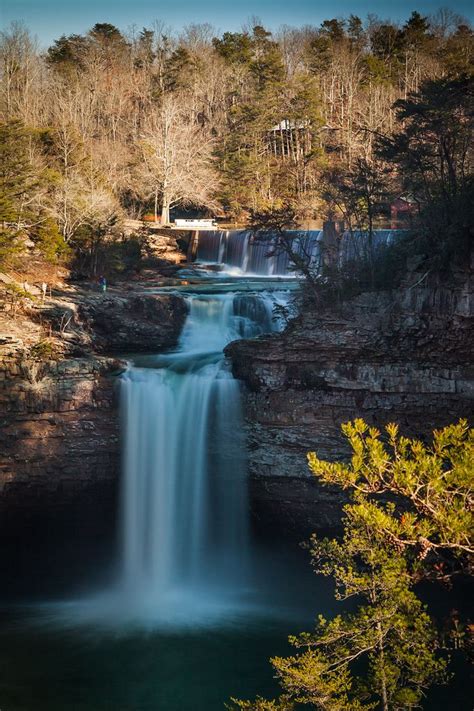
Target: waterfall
[(184, 500), (239, 252), (354, 246)]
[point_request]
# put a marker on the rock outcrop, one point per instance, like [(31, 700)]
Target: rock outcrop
[(59, 461), (402, 356), (59, 428), (167, 247), (139, 322)]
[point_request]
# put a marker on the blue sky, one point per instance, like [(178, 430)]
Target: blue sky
[(48, 19)]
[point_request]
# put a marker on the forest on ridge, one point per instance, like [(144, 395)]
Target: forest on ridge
[(108, 125)]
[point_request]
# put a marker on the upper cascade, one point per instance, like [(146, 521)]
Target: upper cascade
[(240, 252)]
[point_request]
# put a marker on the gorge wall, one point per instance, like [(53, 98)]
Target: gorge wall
[(403, 356), (59, 434)]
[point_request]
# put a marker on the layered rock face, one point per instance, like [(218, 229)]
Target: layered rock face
[(403, 356), (59, 466), (59, 427)]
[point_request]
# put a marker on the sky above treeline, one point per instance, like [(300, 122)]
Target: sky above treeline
[(49, 19)]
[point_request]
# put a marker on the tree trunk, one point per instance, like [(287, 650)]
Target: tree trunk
[(165, 212), (371, 242)]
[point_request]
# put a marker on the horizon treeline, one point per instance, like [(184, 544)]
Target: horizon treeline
[(106, 125)]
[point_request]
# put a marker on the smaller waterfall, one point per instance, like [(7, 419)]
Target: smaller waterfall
[(239, 252), (354, 246), (184, 524)]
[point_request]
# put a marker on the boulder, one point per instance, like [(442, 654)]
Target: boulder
[(135, 323)]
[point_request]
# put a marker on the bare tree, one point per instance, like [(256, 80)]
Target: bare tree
[(175, 163), (21, 74)]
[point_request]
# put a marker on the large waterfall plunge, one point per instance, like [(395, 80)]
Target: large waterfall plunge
[(184, 503)]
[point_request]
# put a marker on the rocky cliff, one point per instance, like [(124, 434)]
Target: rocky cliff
[(59, 424), (401, 356), (117, 321)]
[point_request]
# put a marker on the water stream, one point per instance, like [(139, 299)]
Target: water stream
[(184, 501)]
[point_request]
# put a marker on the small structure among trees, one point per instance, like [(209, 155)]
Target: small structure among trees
[(402, 211), (290, 139)]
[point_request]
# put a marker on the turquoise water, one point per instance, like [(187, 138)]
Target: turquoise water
[(53, 658), (191, 671), (83, 672)]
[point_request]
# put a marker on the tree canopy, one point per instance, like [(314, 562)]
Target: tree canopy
[(274, 118)]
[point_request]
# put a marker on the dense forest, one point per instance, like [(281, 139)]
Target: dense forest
[(336, 120)]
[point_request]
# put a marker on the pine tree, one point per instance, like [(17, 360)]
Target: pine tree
[(432, 152), (16, 175), (17, 185), (385, 654), (434, 484)]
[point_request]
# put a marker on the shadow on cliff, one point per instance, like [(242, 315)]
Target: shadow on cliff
[(59, 477)]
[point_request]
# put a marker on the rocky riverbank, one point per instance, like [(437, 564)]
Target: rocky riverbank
[(402, 356)]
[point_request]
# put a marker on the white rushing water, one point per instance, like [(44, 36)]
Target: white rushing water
[(239, 252), (185, 549), (184, 498)]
